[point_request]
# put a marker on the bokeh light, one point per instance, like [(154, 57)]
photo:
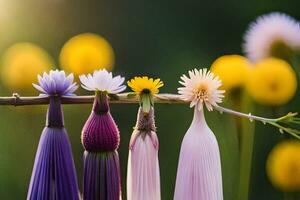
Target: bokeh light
[(283, 166), (233, 70), (86, 52), (21, 63), (272, 82)]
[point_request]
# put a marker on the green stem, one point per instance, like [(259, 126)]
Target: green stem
[(246, 151)]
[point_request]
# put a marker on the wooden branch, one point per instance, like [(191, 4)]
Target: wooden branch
[(17, 100)]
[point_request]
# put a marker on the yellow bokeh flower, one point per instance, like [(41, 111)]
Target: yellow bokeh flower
[(145, 85), (283, 166), (233, 70), (272, 81), (21, 63), (86, 52)]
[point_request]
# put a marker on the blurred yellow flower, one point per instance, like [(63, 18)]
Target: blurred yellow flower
[(283, 166), (145, 85), (233, 70), (86, 52), (21, 63), (272, 81)]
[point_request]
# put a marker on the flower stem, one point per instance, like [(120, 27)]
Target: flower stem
[(287, 119), (246, 151)]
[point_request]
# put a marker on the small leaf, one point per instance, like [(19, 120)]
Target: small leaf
[(131, 95)]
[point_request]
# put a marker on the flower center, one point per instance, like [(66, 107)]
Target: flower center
[(146, 91), (202, 92), (280, 49)]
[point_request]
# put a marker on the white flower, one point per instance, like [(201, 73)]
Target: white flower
[(201, 87), (56, 83), (269, 30), (103, 80)]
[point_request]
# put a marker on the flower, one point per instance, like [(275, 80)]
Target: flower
[(85, 53), (21, 63), (283, 166), (54, 166), (100, 138), (56, 83), (201, 87), (143, 176), (272, 82), (199, 173), (275, 34), (104, 81), (233, 70), (145, 85)]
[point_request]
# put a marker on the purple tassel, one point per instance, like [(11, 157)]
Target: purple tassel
[(100, 138), (53, 175)]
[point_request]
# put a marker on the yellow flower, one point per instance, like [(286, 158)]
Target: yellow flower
[(283, 166), (233, 70), (86, 52), (272, 81), (145, 85), (21, 63)]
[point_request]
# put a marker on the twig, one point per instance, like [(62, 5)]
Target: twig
[(126, 98), (17, 100)]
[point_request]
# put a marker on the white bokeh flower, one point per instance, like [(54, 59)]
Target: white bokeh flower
[(56, 83), (201, 87), (102, 80), (272, 34)]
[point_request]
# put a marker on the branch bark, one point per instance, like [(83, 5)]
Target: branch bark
[(123, 98)]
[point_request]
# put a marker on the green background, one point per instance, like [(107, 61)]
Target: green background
[(155, 38)]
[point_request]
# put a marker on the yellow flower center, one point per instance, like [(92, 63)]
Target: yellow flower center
[(202, 92)]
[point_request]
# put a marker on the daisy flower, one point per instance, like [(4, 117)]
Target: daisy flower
[(145, 85), (56, 83), (54, 165), (201, 87), (103, 81), (275, 34)]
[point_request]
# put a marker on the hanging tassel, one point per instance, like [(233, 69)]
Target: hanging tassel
[(100, 139), (199, 175), (54, 175), (199, 169), (143, 179)]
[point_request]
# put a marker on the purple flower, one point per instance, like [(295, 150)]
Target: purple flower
[(199, 173), (53, 175), (56, 83), (143, 177), (100, 138)]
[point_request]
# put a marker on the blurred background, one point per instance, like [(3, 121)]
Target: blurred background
[(156, 38)]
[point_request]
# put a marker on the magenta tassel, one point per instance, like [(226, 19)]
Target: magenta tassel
[(100, 138)]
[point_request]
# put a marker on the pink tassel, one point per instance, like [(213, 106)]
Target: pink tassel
[(199, 175), (143, 178)]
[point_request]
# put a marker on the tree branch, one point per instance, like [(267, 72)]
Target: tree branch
[(17, 100)]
